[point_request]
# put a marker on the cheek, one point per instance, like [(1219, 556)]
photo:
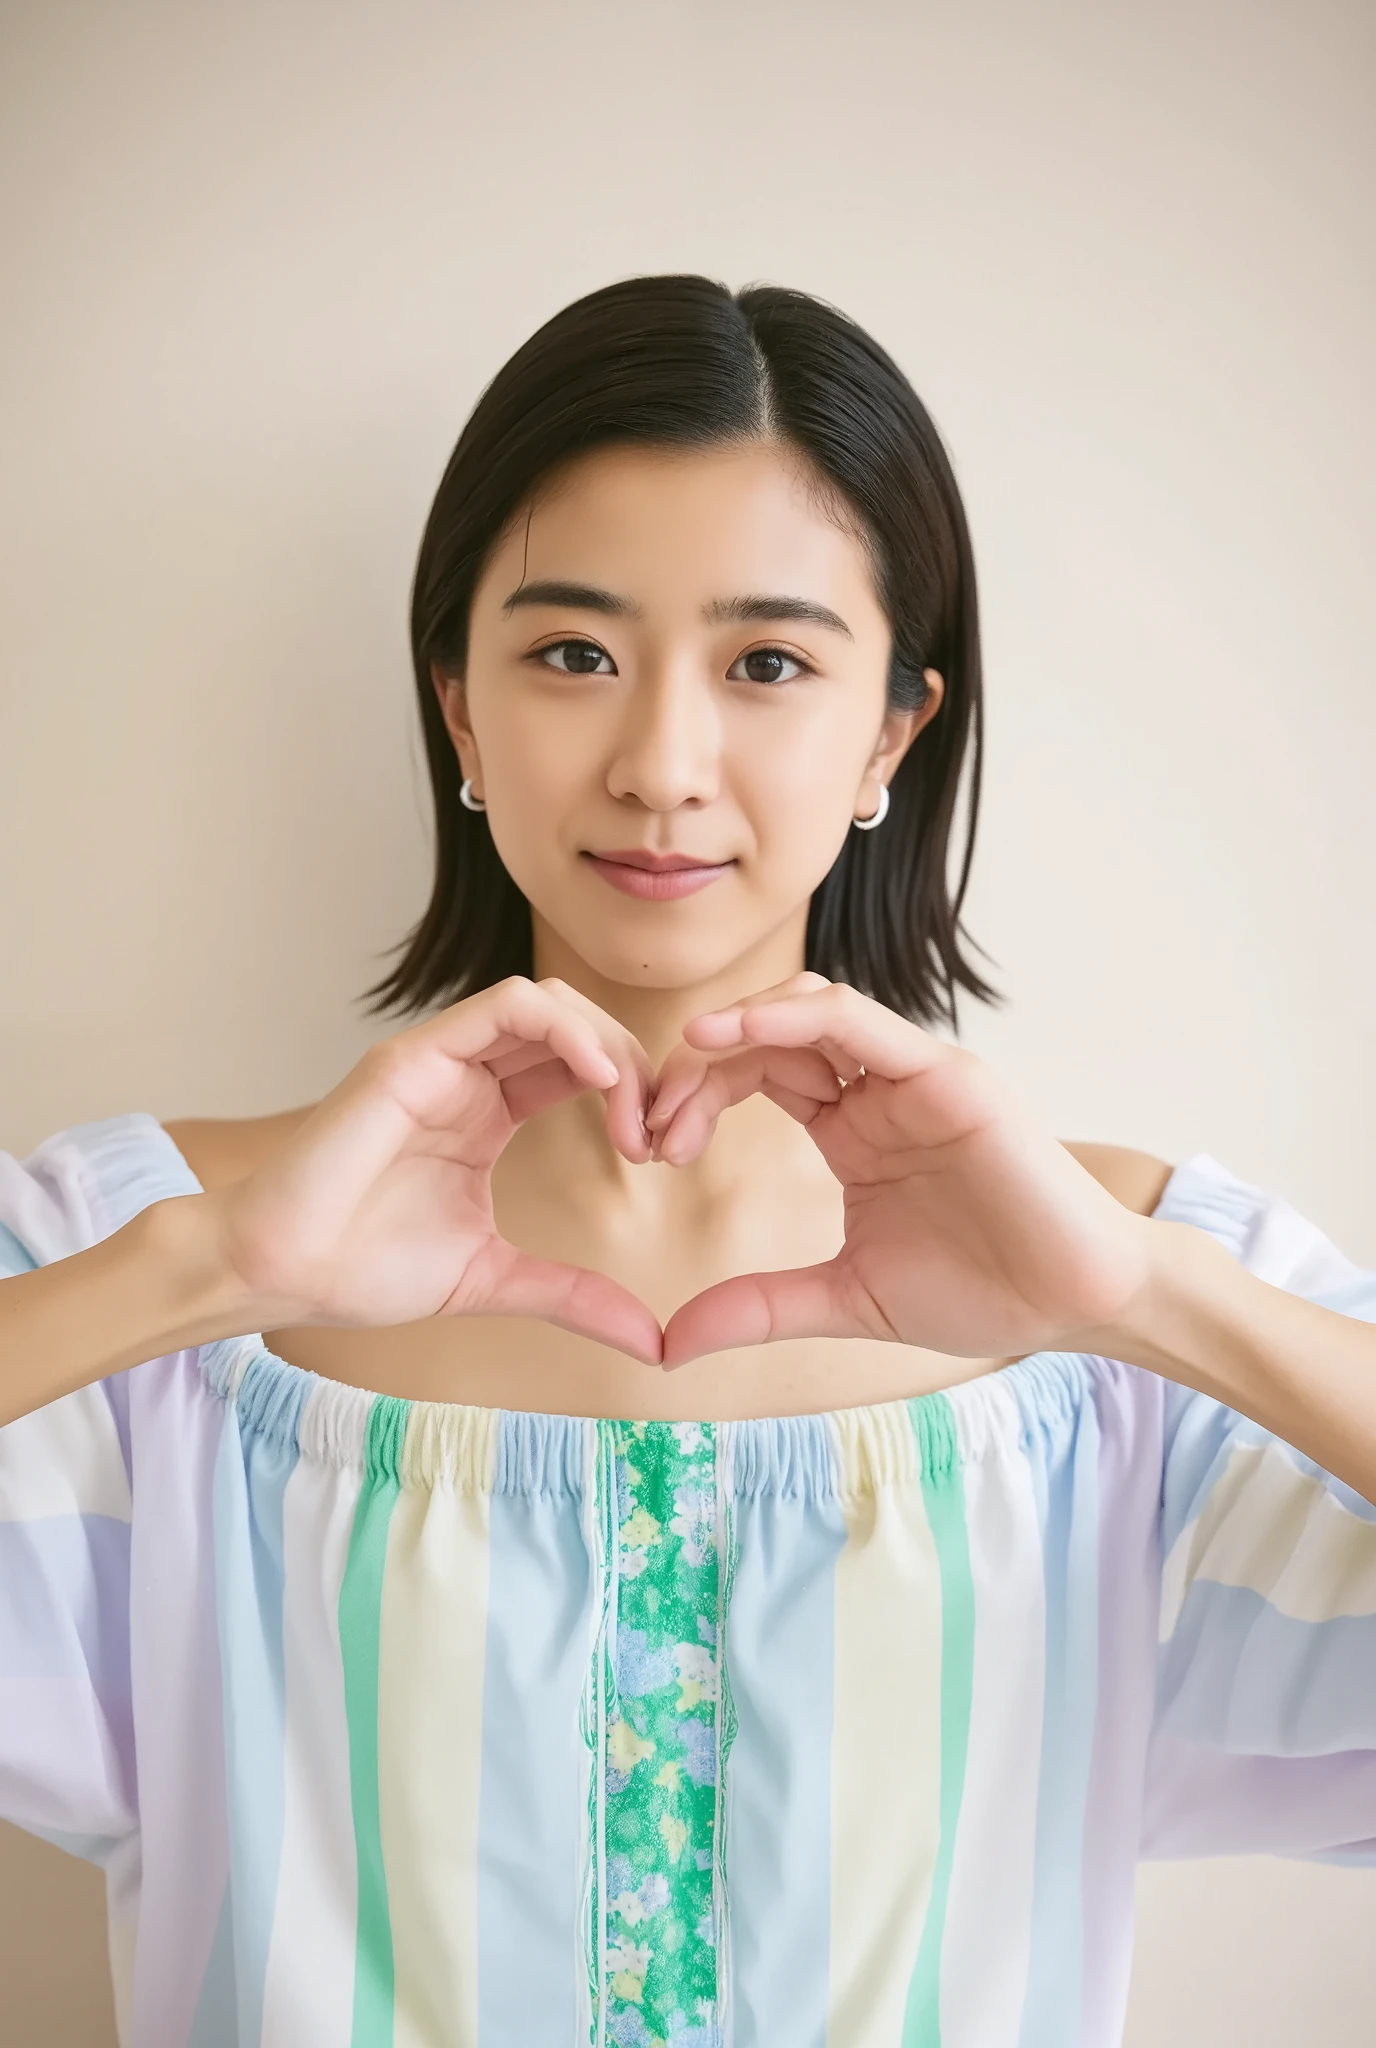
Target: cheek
[(541, 767), (797, 785), (534, 761)]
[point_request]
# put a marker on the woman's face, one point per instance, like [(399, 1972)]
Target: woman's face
[(676, 658)]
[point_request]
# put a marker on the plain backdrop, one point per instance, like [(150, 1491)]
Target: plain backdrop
[(257, 263)]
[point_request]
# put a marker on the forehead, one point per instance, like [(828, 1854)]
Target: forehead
[(704, 523)]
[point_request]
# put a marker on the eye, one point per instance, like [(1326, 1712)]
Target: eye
[(576, 658), (767, 665)]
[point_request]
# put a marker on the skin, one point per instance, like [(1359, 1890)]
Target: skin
[(653, 1181), (669, 744)]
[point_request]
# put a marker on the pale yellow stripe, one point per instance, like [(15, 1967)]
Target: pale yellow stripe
[(1269, 1526), (886, 1760), (434, 1613)]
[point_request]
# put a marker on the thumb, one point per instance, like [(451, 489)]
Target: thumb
[(571, 1297), (761, 1308)]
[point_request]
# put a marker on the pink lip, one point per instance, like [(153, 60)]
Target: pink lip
[(655, 877)]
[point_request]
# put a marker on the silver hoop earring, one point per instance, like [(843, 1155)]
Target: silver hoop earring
[(467, 798), (868, 824)]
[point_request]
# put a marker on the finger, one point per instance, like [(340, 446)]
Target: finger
[(682, 1065), (628, 1101), (804, 1109), (685, 1072), (838, 1020), (762, 1308), (532, 1079), (589, 1304), (801, 1070), (538, 1088), (543, 1082), (681, 1073), (682, 1070), (593, 1045), (522, 1055), (513, 1013)]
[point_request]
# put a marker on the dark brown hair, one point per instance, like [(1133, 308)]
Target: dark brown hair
[(681, 361)]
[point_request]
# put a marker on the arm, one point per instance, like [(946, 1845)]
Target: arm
[(971, 1232), (373, 1207), (1305, 1373), (159, 1285)]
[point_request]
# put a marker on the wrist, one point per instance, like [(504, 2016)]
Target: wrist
[(161, 1284), (179, 1264), (1184, 1320)]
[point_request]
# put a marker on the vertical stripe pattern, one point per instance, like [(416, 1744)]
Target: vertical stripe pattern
[(360, 1634), (392, 1724), (944, 1496)]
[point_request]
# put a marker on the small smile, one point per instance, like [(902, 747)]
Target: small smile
[(655, 877)]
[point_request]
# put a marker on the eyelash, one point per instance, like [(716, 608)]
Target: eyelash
[(571, 640), (804, 668)]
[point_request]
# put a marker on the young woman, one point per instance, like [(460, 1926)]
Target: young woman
[(732, 1534)]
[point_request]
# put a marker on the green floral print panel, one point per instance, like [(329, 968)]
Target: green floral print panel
[(661, 1742)]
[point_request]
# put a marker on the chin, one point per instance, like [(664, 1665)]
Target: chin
[(663, 967)]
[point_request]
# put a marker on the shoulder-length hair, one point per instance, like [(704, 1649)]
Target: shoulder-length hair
[(680, 361)]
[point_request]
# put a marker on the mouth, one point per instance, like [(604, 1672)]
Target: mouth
[(655, 877)]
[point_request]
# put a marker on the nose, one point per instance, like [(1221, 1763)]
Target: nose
[(667, 750)]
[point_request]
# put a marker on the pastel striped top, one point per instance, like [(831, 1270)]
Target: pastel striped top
[(399, 1724)]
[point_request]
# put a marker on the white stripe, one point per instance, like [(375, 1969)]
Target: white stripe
[(64, 1459), (308, 1994), (989, 1910)]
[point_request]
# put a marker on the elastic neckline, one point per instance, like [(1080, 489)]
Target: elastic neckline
[(840, 1452)]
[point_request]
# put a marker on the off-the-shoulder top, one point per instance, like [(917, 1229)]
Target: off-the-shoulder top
[(398, 1724)]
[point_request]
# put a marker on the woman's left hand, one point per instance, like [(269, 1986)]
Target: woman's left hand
[(969, 1230)]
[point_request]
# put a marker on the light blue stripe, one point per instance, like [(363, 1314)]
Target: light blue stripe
[(1068, 1510), (780, 1659), (216, 2023), (258, 1453), (538, 1641), (14, 1256), (1242, 1677)]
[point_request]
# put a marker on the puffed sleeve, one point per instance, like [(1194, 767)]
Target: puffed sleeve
[(67, 1767), (1265, 1721)]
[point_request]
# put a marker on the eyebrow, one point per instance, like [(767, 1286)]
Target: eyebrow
[(582, 597), (589, 597), (732, 610)]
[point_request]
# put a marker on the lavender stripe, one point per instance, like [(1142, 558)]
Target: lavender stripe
[(1129, 1599), (175, 1671)]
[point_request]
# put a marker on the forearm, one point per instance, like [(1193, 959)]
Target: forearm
[(156, 1286), (1305, 1373)]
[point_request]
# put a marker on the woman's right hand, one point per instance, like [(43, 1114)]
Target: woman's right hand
[(378, 1209)]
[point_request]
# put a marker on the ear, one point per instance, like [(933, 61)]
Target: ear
[(901, 728), (453, 703)]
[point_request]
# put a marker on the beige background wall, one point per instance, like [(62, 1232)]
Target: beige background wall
[(257, 262)]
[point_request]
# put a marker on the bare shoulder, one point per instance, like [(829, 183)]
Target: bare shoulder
[(221, 1150), (1136, 1179)]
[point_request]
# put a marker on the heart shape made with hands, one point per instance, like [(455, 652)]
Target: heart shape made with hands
[(968, 1229)]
